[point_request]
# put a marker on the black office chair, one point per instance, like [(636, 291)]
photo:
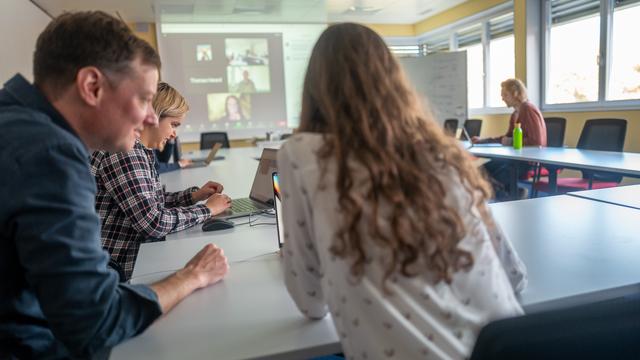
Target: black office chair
[(473, 127), (606, 330), (450, 126), (597, 134), (556, 128), (208, 139)]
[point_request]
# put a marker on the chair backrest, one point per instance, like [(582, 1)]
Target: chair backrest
[(473, 126), (450, 126), (556, 127), (605, 330), (208, 139), (604, 135)]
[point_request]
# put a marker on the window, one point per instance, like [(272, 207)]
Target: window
[(590, 53), (502, 55), (489, 43), (406, 50), (624, 78), (470, 40), (574, 38), (437, 44)]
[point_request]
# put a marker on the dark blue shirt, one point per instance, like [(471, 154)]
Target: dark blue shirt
[(57, 296), (163, 166), (171, 149)]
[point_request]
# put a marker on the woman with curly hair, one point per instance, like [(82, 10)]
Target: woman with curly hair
[(385, 218)]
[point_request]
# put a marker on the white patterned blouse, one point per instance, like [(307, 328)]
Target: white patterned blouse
[(418, 319)]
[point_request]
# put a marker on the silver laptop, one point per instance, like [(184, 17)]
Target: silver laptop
[(206, 161), (261, 196), (465, 137)]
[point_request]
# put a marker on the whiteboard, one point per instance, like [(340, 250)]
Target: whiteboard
[(441, 80)]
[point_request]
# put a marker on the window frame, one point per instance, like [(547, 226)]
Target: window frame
[(483, 19), (607, 8)]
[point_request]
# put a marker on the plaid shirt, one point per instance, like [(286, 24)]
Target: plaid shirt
[(133, 206)]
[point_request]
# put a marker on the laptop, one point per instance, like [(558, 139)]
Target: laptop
[(261, 195), (277, 201), (206, 161), (465, 137)]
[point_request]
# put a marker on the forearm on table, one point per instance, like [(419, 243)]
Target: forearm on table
[(174, 289)]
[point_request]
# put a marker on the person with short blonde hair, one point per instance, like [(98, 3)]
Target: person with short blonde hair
[(534, 130), (516, 88), (131, 201), (169, 103), (534, 133)]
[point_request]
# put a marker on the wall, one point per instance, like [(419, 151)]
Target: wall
[(454, 14), (393, 29), (20, 24), (145, 31)]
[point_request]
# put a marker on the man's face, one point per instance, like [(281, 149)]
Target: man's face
[(507, 97), (126, 107)]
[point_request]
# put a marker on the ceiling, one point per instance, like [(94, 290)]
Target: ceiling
[(260, 11)]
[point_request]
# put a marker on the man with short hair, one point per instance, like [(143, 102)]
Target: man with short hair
[(94, 82)]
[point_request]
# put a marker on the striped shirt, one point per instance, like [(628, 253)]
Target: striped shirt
[(133, 206)]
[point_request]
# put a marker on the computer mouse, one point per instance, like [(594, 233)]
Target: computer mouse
[(217, 224)]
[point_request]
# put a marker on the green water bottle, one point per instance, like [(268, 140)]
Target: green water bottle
[(517, 137)]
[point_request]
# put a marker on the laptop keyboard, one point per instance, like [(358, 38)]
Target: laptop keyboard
[(243, 205)]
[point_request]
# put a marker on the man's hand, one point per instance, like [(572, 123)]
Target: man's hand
[(218, 203), (184, 163), (207, 267), (206, 191), (475, 139)]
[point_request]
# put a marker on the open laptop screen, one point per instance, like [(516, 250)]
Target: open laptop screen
[(277, 199), (262, 190)]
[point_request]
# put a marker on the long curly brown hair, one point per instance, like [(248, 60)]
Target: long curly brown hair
[(356, 94)]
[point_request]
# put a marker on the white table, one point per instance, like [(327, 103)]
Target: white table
[(628, 196), (250, 313), (624, 163), (576, 251)]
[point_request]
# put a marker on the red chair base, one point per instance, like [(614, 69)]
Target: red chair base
[(573, 184), (528, 175), (531, 173)]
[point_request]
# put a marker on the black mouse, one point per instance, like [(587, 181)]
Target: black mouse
[(217, 224)]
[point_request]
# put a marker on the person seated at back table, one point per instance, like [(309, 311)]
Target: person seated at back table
[(131, 201), (93, 85), (534, 133), (163, 157), (386, 224)]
